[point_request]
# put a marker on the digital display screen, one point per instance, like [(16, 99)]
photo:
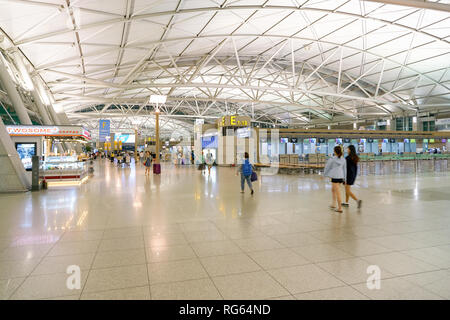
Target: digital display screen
[(312, 140), (124, 137), (346, 140), (431, 140), (321, 140), (392, 140), (284, 140), (406, 141), (369, 140), (294, 140), (26, 151), (338, 140), (413, 140), (362, 140), (385, 140), (444, 140)]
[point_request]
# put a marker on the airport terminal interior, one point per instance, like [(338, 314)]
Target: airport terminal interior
[(224, 150)]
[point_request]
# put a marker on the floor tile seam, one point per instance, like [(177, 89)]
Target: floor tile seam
[(14, 291), (396, 251), (89, 271), (422, 286), (270, 275), (102, 291), (268, 236), (35, 267), (399, 277), (344, 286), (146, 269), (206, 270), (332, 275)]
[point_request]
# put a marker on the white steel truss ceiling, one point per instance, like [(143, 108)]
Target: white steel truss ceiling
[(283, 62)]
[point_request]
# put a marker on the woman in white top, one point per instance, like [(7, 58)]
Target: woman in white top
[(209, 162), (336, 169)]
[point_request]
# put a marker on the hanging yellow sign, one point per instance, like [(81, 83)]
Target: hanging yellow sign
[(234, 121)]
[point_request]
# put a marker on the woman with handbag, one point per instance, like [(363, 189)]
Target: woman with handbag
[(352, 171), (147, 162), (246, 169)]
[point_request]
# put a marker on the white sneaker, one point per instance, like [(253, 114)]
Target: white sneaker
[(242, 191)]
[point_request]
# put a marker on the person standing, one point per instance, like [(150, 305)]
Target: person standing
[(246, 169), (352, 171), (147, 162), (336, 169)]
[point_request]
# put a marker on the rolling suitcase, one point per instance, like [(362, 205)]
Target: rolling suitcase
[(156, 168)]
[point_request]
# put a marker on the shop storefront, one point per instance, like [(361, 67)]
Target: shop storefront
[(45, 142)]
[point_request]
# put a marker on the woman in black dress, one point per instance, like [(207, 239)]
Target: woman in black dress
[(352, 170)]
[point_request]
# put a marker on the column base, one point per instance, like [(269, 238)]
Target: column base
[(156, 168)]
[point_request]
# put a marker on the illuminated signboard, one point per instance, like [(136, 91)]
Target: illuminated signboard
[(125, 137), (234, 121), (104, 129), (54, 131)]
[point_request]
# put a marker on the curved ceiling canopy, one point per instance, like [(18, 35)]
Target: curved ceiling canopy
[(283, 62)]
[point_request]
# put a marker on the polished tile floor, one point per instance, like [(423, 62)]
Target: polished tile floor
[(187, 235)]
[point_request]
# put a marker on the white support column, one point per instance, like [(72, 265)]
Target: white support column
[(40, 103), (11, 90), (13, 177)]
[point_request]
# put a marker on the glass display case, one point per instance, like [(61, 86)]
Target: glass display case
[(63, 169)]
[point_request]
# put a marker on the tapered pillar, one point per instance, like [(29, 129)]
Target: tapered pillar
[(157, 165), (11, 90), (40, 104), (135, 145)]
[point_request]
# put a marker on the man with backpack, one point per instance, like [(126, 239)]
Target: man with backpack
[(246, 169)]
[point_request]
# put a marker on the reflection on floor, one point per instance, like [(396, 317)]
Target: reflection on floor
[(187, 235)]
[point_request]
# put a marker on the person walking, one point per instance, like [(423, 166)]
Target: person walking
[(352, 171), (336, 169), (209, 161), (147, 162), (246, 169)]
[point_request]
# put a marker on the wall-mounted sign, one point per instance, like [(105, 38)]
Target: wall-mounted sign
[(382, 123), (294, 140), (234, 121), (209, 142), (391, 140), (322, 140), (440, 122), (54, 131), (369, 140), (243, 132), (347, 140)]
